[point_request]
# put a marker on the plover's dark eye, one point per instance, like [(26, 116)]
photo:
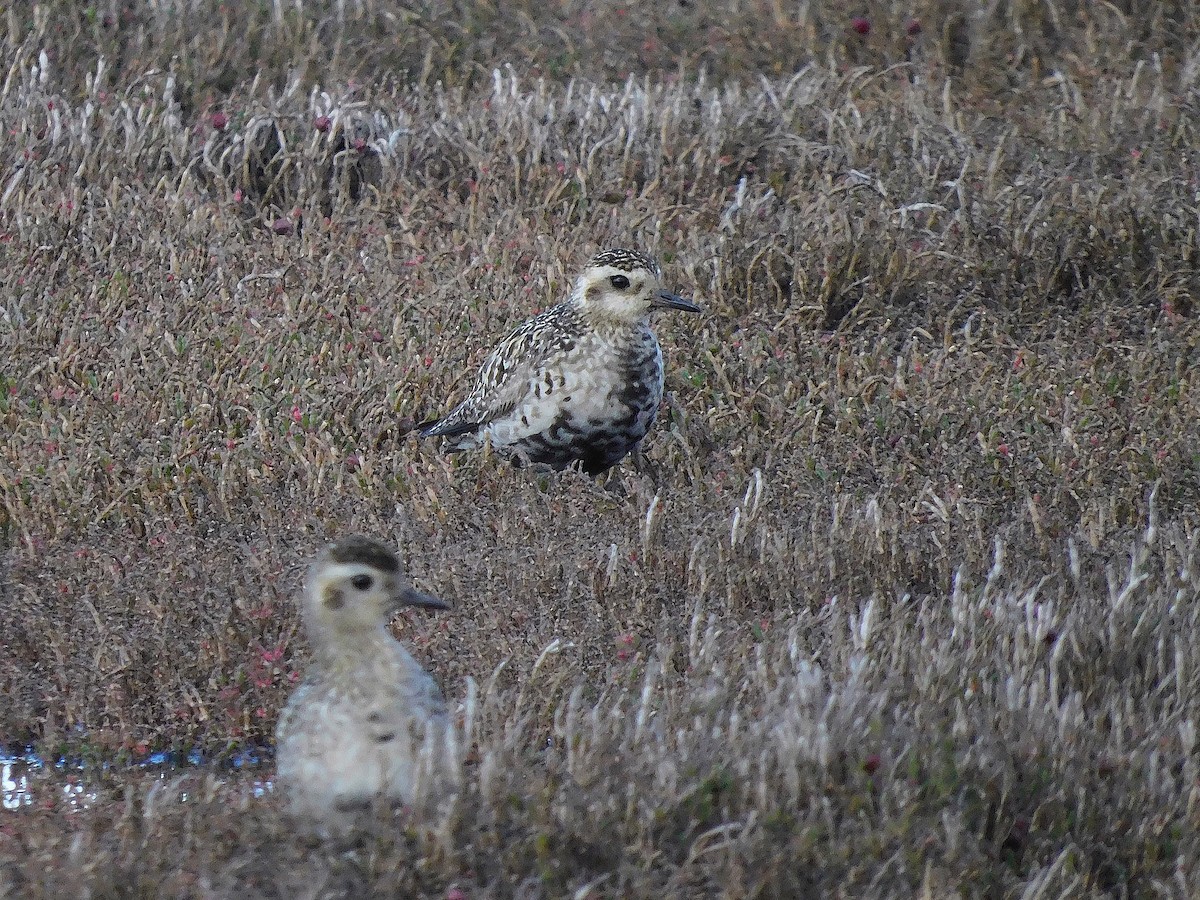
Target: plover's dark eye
[(362, 582), (620, 282)]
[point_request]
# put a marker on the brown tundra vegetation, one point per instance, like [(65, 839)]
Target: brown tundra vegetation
[(901, 598)]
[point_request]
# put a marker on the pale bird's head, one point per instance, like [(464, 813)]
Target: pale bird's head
[(623, 286), (355, 586)]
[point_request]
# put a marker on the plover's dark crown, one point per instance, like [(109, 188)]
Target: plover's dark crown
[(365, 550), (628, 260)]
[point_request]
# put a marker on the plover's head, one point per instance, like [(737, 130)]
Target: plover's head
[(623, 286), (356, 586)]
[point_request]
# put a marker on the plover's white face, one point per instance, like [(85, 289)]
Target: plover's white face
[(623, 286), (355, 586)]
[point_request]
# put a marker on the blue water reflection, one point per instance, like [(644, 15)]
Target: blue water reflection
[(24, 775)]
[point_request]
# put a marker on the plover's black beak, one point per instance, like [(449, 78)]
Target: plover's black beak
[(667, 300), (410, 596)]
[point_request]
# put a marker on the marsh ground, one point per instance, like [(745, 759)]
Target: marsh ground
[(903, 600)]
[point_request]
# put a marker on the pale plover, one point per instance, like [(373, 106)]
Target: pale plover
[(353, 731), (582, 381)]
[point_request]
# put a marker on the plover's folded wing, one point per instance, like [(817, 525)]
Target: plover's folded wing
[(507, 375)]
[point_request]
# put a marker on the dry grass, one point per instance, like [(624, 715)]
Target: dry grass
[(904, 600)]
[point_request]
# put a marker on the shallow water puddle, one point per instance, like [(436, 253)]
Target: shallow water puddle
[(26, 779), (21, 777), (14, 783)]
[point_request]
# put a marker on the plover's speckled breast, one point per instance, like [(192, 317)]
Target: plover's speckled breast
[(593, 403), (582, 382)]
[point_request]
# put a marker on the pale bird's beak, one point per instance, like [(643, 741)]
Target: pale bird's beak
[(410, 596), (666, 300)]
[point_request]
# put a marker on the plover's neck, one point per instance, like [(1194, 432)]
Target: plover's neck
[(342, 652), (616, 325)]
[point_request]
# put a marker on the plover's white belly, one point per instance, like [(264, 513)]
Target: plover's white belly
[(327, 760), (339, 746)]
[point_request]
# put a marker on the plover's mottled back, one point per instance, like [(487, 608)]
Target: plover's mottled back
[(352, 731), (580, 382)]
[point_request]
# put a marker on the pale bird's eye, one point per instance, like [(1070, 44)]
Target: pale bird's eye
[(620, 282), (361, 582)]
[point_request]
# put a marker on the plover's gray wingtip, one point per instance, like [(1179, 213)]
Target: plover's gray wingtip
[(443, 428)]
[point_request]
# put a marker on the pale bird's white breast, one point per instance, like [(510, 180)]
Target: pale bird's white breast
[(352, 734), (328, 756)]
